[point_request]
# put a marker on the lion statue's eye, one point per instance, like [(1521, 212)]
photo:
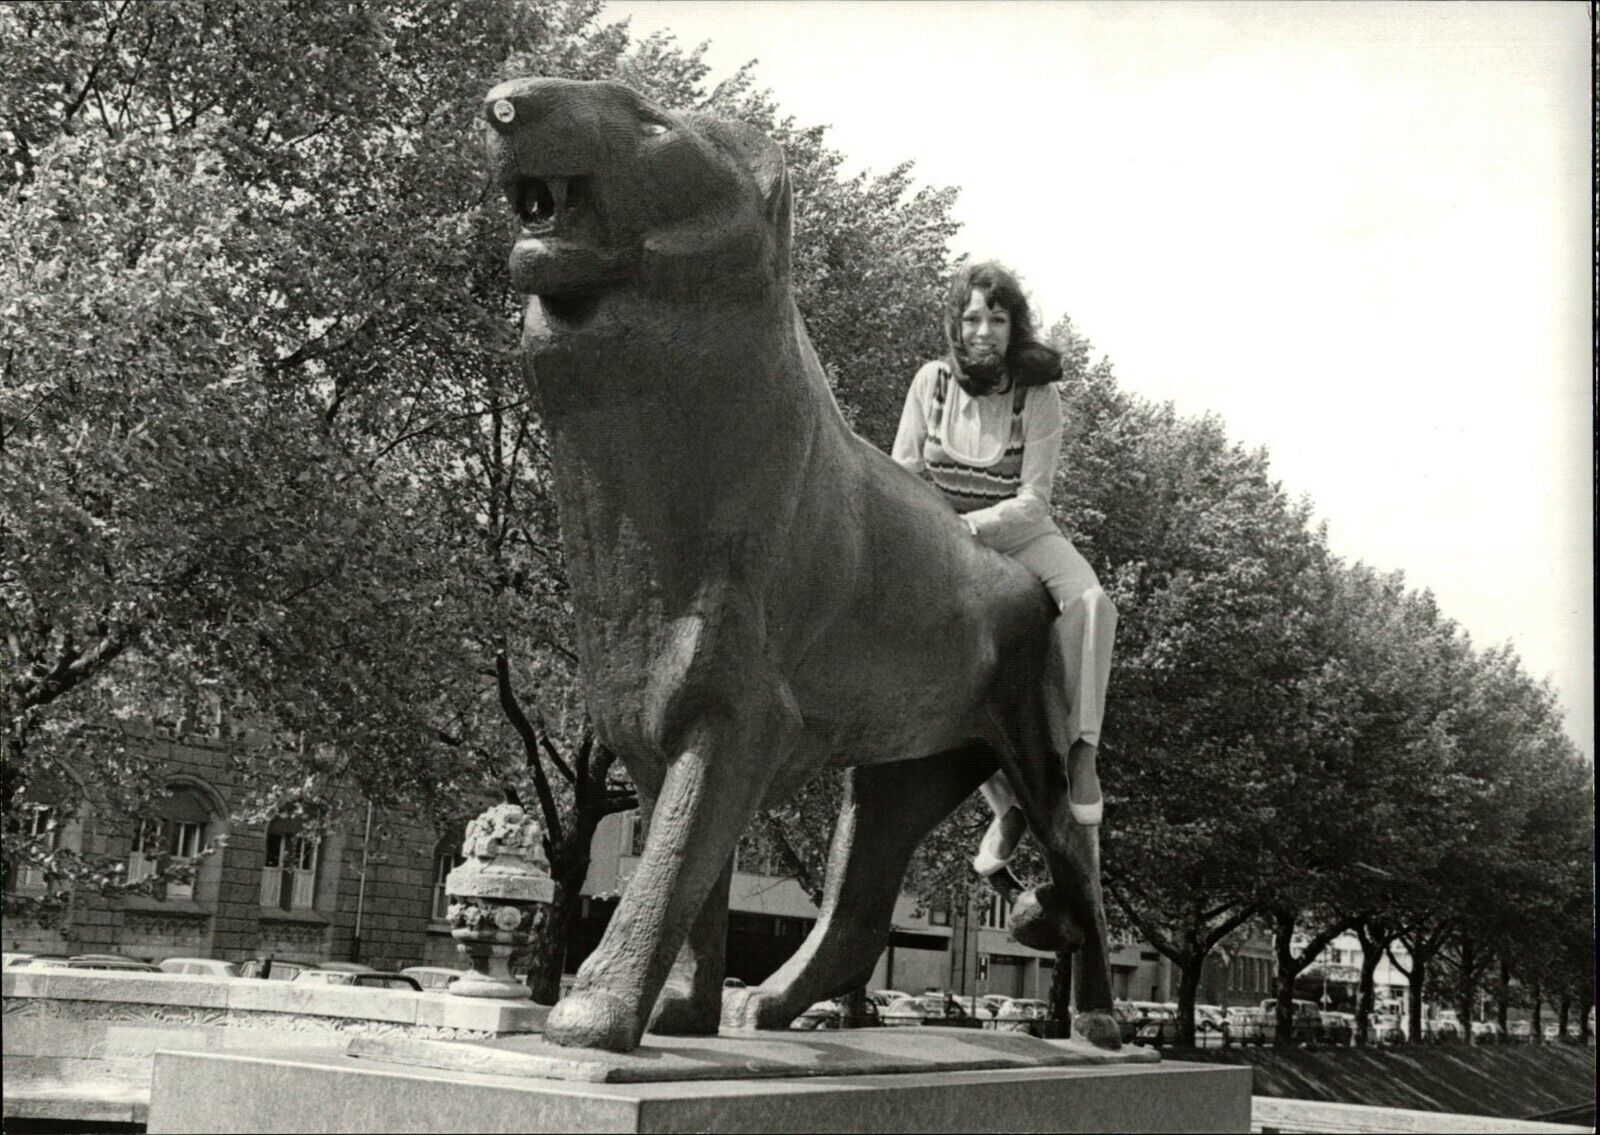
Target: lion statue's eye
[(652, 129)]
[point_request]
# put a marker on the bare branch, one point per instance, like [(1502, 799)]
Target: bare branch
[(76, 103), (530, 744), (550, 749), (1151, 932)]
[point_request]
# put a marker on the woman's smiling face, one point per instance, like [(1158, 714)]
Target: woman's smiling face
[(985, 330)]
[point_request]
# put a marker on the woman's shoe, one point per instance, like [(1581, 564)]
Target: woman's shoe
[(1085, 815), (999, 843)]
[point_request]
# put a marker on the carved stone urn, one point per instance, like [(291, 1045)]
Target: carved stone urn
[(498, 898)]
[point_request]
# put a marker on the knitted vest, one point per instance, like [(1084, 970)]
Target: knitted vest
[(970, 487)]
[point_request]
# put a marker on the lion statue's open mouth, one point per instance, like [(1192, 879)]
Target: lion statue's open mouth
[(560, 254)]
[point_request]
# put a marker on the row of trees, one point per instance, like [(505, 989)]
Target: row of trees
[(1303, 746), (264, 436)]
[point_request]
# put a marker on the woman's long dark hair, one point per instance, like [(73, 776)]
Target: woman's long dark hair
[(1028, 361)]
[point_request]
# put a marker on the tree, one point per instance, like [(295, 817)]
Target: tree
[(1206, 560), (216, 380), (293, 458)]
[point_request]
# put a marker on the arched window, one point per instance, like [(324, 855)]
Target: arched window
[(289, 876), (175, 830)]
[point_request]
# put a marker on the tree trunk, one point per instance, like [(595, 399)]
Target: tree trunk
[(1583, 1023), (1418, 978), (1502, 1001), (1368, 992), (547, 956), (1466, 990), (1060, 1022), (1561, 1017), (1190, 970), (1538, 1014), (853, 1006), (1283, 943)]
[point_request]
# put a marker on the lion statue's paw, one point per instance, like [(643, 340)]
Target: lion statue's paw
[(755, 1009), (1098, 1029), (593, 1018)]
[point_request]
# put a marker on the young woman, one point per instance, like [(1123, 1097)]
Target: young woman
[(984, 426)]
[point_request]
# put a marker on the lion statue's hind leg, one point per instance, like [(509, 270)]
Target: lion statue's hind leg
[(1069, 911), (887, 810)]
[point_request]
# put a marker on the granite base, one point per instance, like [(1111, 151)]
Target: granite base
[(286, 1090)]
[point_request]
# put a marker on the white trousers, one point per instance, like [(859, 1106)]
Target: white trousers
[(1078, 668)]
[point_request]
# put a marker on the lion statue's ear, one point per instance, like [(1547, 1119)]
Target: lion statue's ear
[(764, 159)]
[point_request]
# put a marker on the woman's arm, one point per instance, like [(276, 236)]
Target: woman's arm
[(913, 429), (998, 524)]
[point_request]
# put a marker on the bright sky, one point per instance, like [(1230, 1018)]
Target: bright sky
[(1360, 232)]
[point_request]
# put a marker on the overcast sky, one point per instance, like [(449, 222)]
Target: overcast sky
[(1359, 232)]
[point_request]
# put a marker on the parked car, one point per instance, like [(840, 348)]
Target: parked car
[(203, 967), (830, 1015), (1520, 1032), (1211, 1029), (974, 1008), (367, 977), (274, 969), (732, 983), (1338, 1028), (895, 1007), (939, 1008), (991, 1002), (1485, 1032), (433, 977), (1156, 1033), (1388, 1030), (112, 962), (399, 981), (1127, 1018), (1306, 1021), (1019, 1015), (1244, 1027), (1441, 1029)]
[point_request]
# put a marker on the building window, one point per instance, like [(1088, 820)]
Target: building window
[(41, 827), (641, 831), (445, 860), (161, 841), (939, 916), (289, 879)]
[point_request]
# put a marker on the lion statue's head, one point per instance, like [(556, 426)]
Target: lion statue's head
[(617, 195)]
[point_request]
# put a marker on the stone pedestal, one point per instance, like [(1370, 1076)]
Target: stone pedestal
[(499, 896), (867, 1080)]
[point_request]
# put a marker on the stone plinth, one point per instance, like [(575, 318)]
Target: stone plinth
[(871, 1080), (79, 1044)]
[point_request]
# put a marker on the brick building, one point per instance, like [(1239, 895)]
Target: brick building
[(274, 888)]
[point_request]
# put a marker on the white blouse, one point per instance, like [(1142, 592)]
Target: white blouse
[(975, 432)]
